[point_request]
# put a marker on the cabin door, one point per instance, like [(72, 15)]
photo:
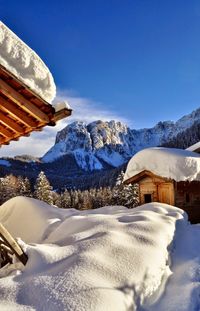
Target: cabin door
[(166, 193)]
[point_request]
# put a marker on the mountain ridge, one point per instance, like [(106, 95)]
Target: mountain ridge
[(112, 142)]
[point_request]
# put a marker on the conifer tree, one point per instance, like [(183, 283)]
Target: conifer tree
[(43, 189), (126, 195), (24, 187), (65, 199)]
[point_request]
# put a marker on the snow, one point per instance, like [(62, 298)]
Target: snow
[(111, 258), (111, 157), (25, 64), (5, 162), (61, 105), (86, 160), (183, 287), (177, 164)]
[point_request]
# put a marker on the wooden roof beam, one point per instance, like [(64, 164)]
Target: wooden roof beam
[(19, 115), (61, 114), (4, 132), (11, 124), (21, 101)]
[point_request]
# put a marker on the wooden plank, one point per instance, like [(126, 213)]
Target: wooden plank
[(18, 114), (21, 101), (11, 124), (14, 246)]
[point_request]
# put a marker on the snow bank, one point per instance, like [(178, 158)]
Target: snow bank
[(25, 64), (177, 164), (111, 258)]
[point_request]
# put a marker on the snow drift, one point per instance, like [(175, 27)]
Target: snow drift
[(177, 164), (111, 258), (25, 64)]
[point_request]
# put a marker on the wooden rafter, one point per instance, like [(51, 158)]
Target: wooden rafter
[(63, 113), (4, 132), (11, 124), (16, 113), (22, 102)]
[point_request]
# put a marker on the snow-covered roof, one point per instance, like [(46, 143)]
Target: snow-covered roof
[(25, 64), (195, 147), (176, 164)]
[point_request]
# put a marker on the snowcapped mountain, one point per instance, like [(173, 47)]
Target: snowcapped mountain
[(112, 143)]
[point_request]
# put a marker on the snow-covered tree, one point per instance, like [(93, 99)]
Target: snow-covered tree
[(8, 187), (65, 199), (126, 195), (24, 187), (43, 189)]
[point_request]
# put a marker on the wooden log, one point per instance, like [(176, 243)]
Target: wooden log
[(61, 114)]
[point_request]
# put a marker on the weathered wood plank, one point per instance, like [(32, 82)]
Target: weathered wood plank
[(14, 246)]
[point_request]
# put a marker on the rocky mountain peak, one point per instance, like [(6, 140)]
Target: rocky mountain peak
[(112, 142)]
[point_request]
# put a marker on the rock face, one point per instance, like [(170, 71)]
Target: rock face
[(112, 143)]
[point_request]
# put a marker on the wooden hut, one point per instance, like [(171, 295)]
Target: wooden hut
[(177, 189)]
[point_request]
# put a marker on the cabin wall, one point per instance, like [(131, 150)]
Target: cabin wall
[(159, 189), (188, 198)]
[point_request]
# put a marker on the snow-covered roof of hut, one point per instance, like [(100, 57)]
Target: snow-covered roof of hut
[(176, 164), (25, 64)]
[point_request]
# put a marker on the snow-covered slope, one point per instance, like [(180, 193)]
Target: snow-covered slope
[(25, 64), (112, 142), (112, 258), (177, 164)]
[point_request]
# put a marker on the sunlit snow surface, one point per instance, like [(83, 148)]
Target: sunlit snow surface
[(25, 64), (110, 258)]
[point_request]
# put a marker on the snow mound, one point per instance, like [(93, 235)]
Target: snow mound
[(29, 218), (25, 64), (111, 258), (177, 164)]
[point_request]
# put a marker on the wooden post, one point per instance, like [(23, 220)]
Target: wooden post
[(12, 244)]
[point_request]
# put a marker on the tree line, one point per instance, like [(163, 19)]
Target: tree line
[(120, 194)]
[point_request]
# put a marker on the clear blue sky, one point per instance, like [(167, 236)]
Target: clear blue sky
[(139, 59)]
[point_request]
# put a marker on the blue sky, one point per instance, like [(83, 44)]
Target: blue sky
[(137, 60)]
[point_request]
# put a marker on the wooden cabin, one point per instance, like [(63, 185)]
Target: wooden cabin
[(144, 169), (184, 194)]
